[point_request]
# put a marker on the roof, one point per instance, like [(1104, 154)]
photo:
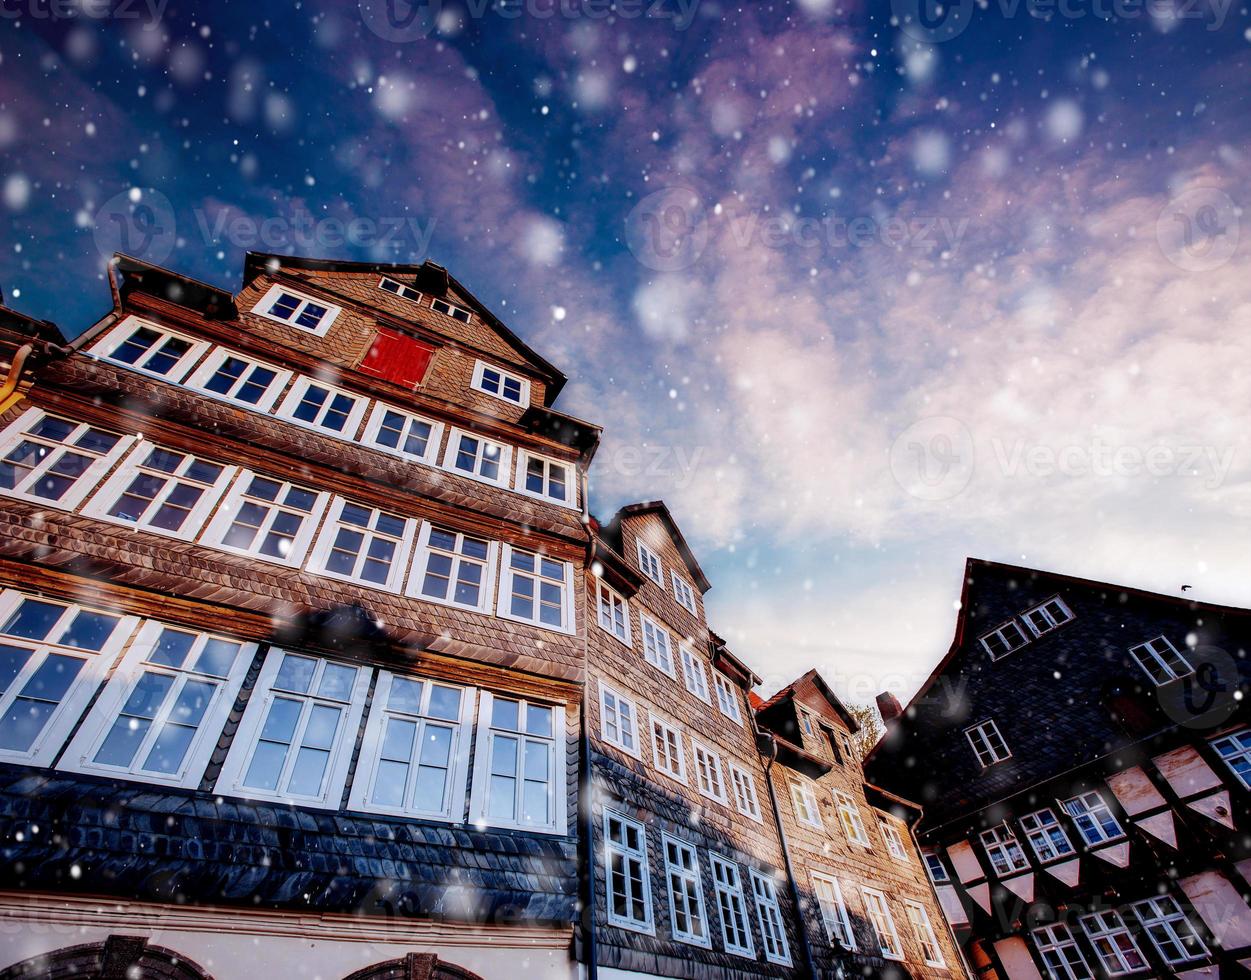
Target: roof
[(661, 509), (813, 677)]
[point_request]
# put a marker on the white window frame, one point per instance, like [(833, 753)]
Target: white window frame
[(421, 556), (804, 800), (400, 290), (481, 366), (380, 713), (1058, 940), (619, 721), (727, 697), (769, 919), (1041, 828), (1004, 850), (557, 753), (1114, 943), (209, 367), (1234, 748), (295, 396), (452, 449), (628, 855), (935, 867), (247, 737), (328, 537), (607, 603), (69, 709), (263, 306), (669, 739), (524, 456), (436, 302), (686, 893), (652, 643), (1010, 645), (1161, 915), (982, 739), (684, 592), (893, 839), (694, 673), (646, 560), (89, 739), (507, 573), (373, 428), (83, 484), (923, 931), (850, 819), (833, 907), (108, 343), (727, 879), (1093, 823), (743, 785), (707, 765), (1160, 660), (849, 747), (807, 723), (877, 909), (215, 534), (1052, 614)]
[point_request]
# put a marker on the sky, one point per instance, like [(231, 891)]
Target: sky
[(858, 289)]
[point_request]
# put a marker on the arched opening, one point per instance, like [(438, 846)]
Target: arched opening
[(114, 959), (414, 966)]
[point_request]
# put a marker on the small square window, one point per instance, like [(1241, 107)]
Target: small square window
[(399, 289), (297, 310), (447, 309), (500, 384)]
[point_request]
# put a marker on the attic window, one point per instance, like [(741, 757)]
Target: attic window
[(501, 384), (1047, 616), (297, 310), (1006, 639), (447, 309), (407, 292)]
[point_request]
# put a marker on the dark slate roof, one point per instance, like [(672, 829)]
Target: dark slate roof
[(158, 844)]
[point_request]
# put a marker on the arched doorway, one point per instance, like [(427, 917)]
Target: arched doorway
[(117, 958), (414, 966)]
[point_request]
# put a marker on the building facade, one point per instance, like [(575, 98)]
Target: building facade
[(1083, 758)]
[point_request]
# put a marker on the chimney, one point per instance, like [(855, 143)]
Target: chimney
[(889, 706)]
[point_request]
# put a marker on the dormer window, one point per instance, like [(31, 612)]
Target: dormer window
[(297, 310), (1047, 616), (447, 309), (407, 292), (500, 384), (1002, 641)]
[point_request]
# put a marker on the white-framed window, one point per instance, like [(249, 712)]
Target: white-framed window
[(1235, 749), (267, 519), (1046, 616), (937, 870), (500, 384), (883, 924), (694, 674), (1007, 639), (1093, 818), (727, 697), (926, 938), (478, 458), (1004, 850), (849, 817), (649, 563), (613, 612), (629, 888), (51, 460), (415, 755), (403, 434), (297, 310), (160, 714), (399, 289), (806, 722), (519, 774), (1061, 954), (657, 650), (709, 779), (1045, 835), (667, 752), (298, 731), (447, 309), (315, 405), (804, 799), (162, 491), (1114, 944), (536, 589), (240, 380), (744, 786), (1160, 660), (619, 720), (769, 918), (366, 545), (834, 915), (453, 569), (546, 479), (1170, 930), (727, 881), (683, 592), (849, 747), (688, 918), (894, 840), (987, 743), (53, 655), (150, 349)]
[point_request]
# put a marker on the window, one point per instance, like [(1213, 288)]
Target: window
[(693, 674), (396, 357), (297, 310), (1046, 617), (744, 786), (1235, 749), (241, 380), (987, 743), (769, 918), (833, 910), (52, 460), (934, 865), (1045, 835), (364, 545), (319, 406), (728, 882), (415, 754), (1093, 818), (266, 519), (1114, 943), (1005, 640), (546, 479), (298, 732), (849, 747), (1004, 850), (619, 720), (150, 349), (806, 722), (686, 893), (931, 952), (452, 568), (656, 649), (625, 868), (447, 309), (894, 842), (709, 780), (614, 612), (519, 782), (403, 434), (159, 716), (683, 593), (1160, 660), (162, 491), (477, 458), (849, 817), (1060, 952), (499, 383), (52, 657), (649, 562), (1169, 930), (804, 798), (883, 924), (536, 589), (667, 753), (727, 697), (408, 292)]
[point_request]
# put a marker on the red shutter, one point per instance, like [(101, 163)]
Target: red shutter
[(397, 357)]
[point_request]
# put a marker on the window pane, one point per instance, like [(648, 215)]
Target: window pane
[(217, 658), (33, 619), (445, 702), (296, 674), (12, 660), (306, 776), (266, 765), (504, 714), (89, 631), (405, 695)]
